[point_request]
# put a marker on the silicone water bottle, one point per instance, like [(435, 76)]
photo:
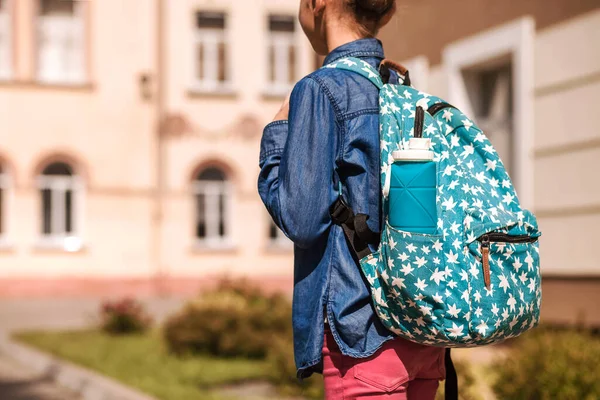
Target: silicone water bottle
[(413, 188)]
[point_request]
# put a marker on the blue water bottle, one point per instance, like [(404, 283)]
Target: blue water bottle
[(413, 188)]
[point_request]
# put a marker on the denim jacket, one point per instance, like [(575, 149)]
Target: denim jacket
[(331, 137)]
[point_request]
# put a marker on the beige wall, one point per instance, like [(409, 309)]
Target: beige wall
[(566, 153), (107, 131), (425, 27)]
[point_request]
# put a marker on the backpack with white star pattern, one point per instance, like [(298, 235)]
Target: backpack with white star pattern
[(477, 280)]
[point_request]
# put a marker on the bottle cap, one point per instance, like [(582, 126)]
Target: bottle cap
[(419, 150)]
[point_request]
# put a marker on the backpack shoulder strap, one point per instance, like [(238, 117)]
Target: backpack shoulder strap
[(360, 67)]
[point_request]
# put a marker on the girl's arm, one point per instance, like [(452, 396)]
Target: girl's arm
[(297, 161)]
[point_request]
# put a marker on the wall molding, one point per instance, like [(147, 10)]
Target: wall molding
[(568, 84), (572, 211), (517, 40), (568, 148)]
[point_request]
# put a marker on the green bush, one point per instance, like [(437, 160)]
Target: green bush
[(235, 320), (124, 317), (467, 389), (283, 372), (549, 364)]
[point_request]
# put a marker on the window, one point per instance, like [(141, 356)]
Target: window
[(5, 40), (4, 187), (277, 238), (211, 68), (490, 93), (60, 192), (282, 53), (61, 53), (490, 77), (212, 195)]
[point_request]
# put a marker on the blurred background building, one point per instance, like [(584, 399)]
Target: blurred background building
[(129, 138), (130, 131)]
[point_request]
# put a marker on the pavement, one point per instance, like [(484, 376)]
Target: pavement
[(39, 382), (20, 383)]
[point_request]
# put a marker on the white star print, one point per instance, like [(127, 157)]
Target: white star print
[(453, 311), (512, 302), (425, 310), (508, 198), (449, 204), (468, 150), (421, 285), (532, 284), (529, 261), (482, 328), (495, 309), (480, 137), (452, 258), (407, 269), (411, 248), (438, 276), (447, 115), (504, 283), (437, 246), (490, 164), (455, 331), (421, 261), (468, 124), (398, 282)]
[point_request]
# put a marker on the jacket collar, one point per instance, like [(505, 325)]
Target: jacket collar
[(370, 47)]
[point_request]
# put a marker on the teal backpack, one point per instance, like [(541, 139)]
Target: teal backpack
[(477, 280)]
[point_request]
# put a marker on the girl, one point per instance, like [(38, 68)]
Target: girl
[(325, 137)]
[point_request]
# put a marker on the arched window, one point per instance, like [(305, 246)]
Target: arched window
[(212, 193), (4, 187), (60, 191), (277, 238)]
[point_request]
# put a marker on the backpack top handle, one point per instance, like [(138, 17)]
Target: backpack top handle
[(387, 65)]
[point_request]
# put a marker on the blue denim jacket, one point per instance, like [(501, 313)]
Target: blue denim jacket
[(332, 136)]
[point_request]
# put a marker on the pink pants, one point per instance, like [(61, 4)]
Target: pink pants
[(399, 370)]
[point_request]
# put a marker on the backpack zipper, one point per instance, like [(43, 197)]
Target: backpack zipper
[(496, 237)]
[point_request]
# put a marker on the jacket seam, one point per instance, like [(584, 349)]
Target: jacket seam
[(322, 85), (276, 123), (354, 114), (269, 153), (338, 115), (372, 53)]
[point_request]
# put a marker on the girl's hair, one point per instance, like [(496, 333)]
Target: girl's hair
[(369, 13)]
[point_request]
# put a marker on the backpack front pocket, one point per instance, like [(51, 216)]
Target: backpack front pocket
[(503, 273), (407, 277)]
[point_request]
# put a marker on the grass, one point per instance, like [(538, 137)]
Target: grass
[(142, 361)]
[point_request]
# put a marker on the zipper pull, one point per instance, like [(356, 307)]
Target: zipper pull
[(485, 259)]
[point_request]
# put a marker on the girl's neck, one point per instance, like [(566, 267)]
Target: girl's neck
[(338, 34)]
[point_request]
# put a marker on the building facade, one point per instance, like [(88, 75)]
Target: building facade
[(130, 129), (529, 74), (130, 133)]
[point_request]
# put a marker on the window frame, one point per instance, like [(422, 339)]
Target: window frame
[(212, 37), (58, 186), (80, 27), (281, 40), (5, 205), (280, 241), (211, 190), (514, 39), (7, 71)]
